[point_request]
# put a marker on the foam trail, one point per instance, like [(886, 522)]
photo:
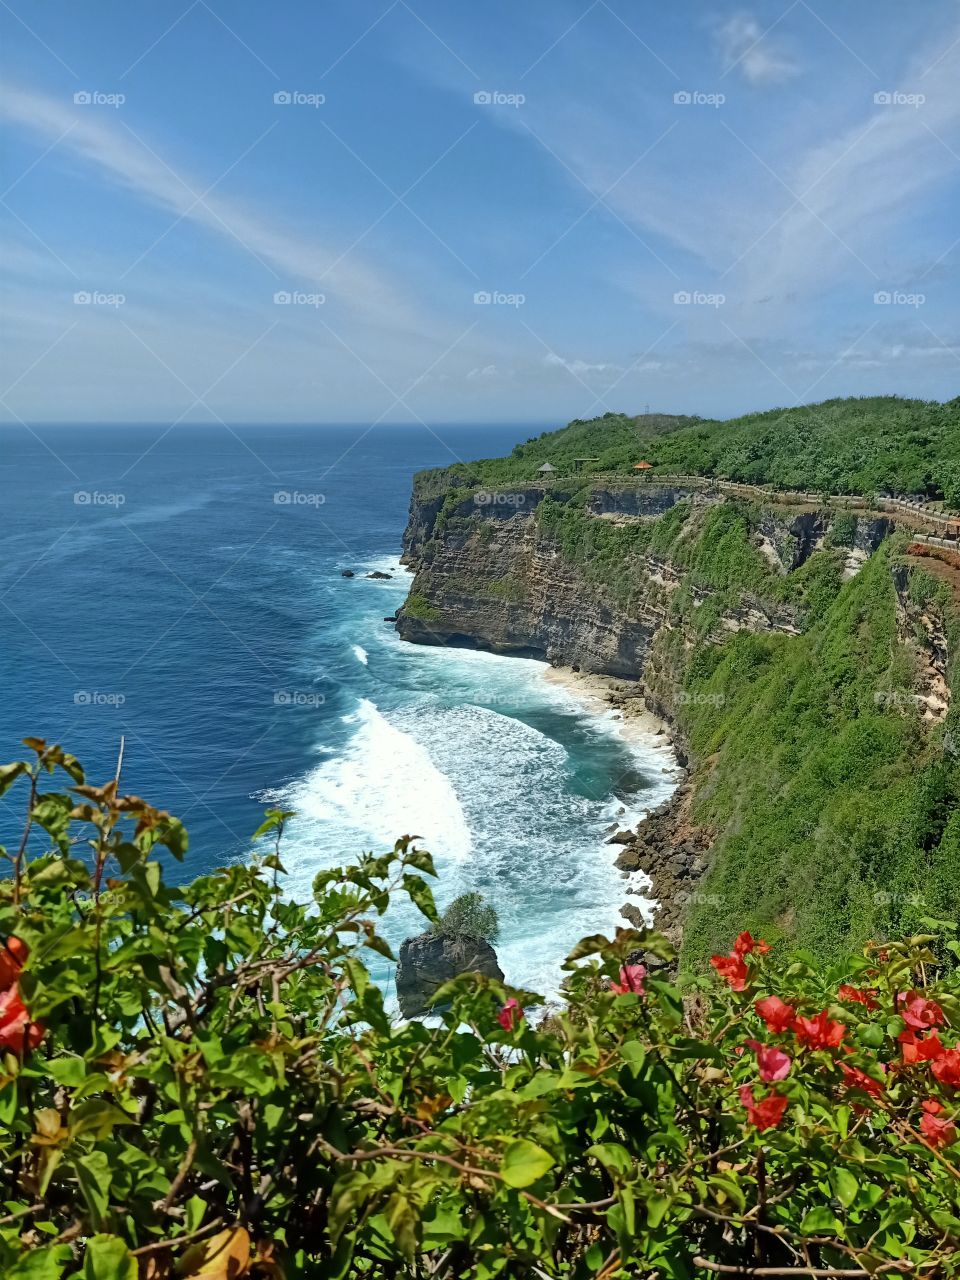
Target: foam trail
[(360, 653), (383, 784)]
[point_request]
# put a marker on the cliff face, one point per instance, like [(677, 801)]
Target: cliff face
[(506, 588), (721, 615)]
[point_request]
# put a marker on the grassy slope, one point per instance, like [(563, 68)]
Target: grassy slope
[(851, 445)]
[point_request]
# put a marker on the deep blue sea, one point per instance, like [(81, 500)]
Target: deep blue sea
[(182, 588)]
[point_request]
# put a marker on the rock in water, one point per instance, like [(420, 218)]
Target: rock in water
[(431, 959), (347, 573), (378, 574)]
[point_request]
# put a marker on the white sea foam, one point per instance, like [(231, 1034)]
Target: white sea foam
[(360, 653), (383, 785)]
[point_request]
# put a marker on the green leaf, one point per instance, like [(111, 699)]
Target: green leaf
[(41, 1264), (9, 773), (96, 1116), (403, 1223), (421, 895), (108, 1258), (819, 1220), (845, 1185), (524, 1162)]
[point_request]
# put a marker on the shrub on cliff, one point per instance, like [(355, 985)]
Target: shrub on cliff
[(470, 913), (201, 1080)]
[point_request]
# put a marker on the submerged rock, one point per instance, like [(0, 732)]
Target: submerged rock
[(347, 573), (377, 573), (429, 960)]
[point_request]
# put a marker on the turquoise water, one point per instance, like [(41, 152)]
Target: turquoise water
[(208, 623)]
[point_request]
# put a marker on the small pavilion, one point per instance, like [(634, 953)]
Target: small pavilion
[(643, 469), (546, 470)]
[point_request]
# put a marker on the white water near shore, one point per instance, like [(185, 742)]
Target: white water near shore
[(512, 774)]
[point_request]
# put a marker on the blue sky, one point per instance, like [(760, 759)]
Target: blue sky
[(702, 208)]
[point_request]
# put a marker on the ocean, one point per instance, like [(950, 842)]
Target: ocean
[(182, 588)]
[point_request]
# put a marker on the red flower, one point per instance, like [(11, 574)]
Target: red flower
[(631, 980), (768, 1112), (12, 955), (510, 1015), (947, 1068), (732, 969), (745, 944), (853, 995), (776, 1014), (773, 1063), (17, 1032), (920, 1013), (938, 1133), (920, 1048), (857, 1079), (819, 1032)]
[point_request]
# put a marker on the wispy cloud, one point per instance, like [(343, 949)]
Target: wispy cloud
[(758, 54), (130, 163)]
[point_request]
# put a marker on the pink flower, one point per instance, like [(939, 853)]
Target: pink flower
[(857, 1079), (768, 1112), (746, 943), (853, 995), (937, 1132), (732, 969), (819, 1032), (919, 1012), (510, 1015), (773, 1063), (776, 1013), (631, 980)]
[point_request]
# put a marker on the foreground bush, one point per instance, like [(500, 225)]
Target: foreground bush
[(202, 1081)]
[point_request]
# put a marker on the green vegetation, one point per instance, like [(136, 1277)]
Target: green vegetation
[(418, 607), (470, 913), (857, 445), (835, 806), (202, 1081)]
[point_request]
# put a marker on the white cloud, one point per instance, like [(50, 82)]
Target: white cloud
[(759, 57), (488, 371), (116, 153), (579, 368)]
